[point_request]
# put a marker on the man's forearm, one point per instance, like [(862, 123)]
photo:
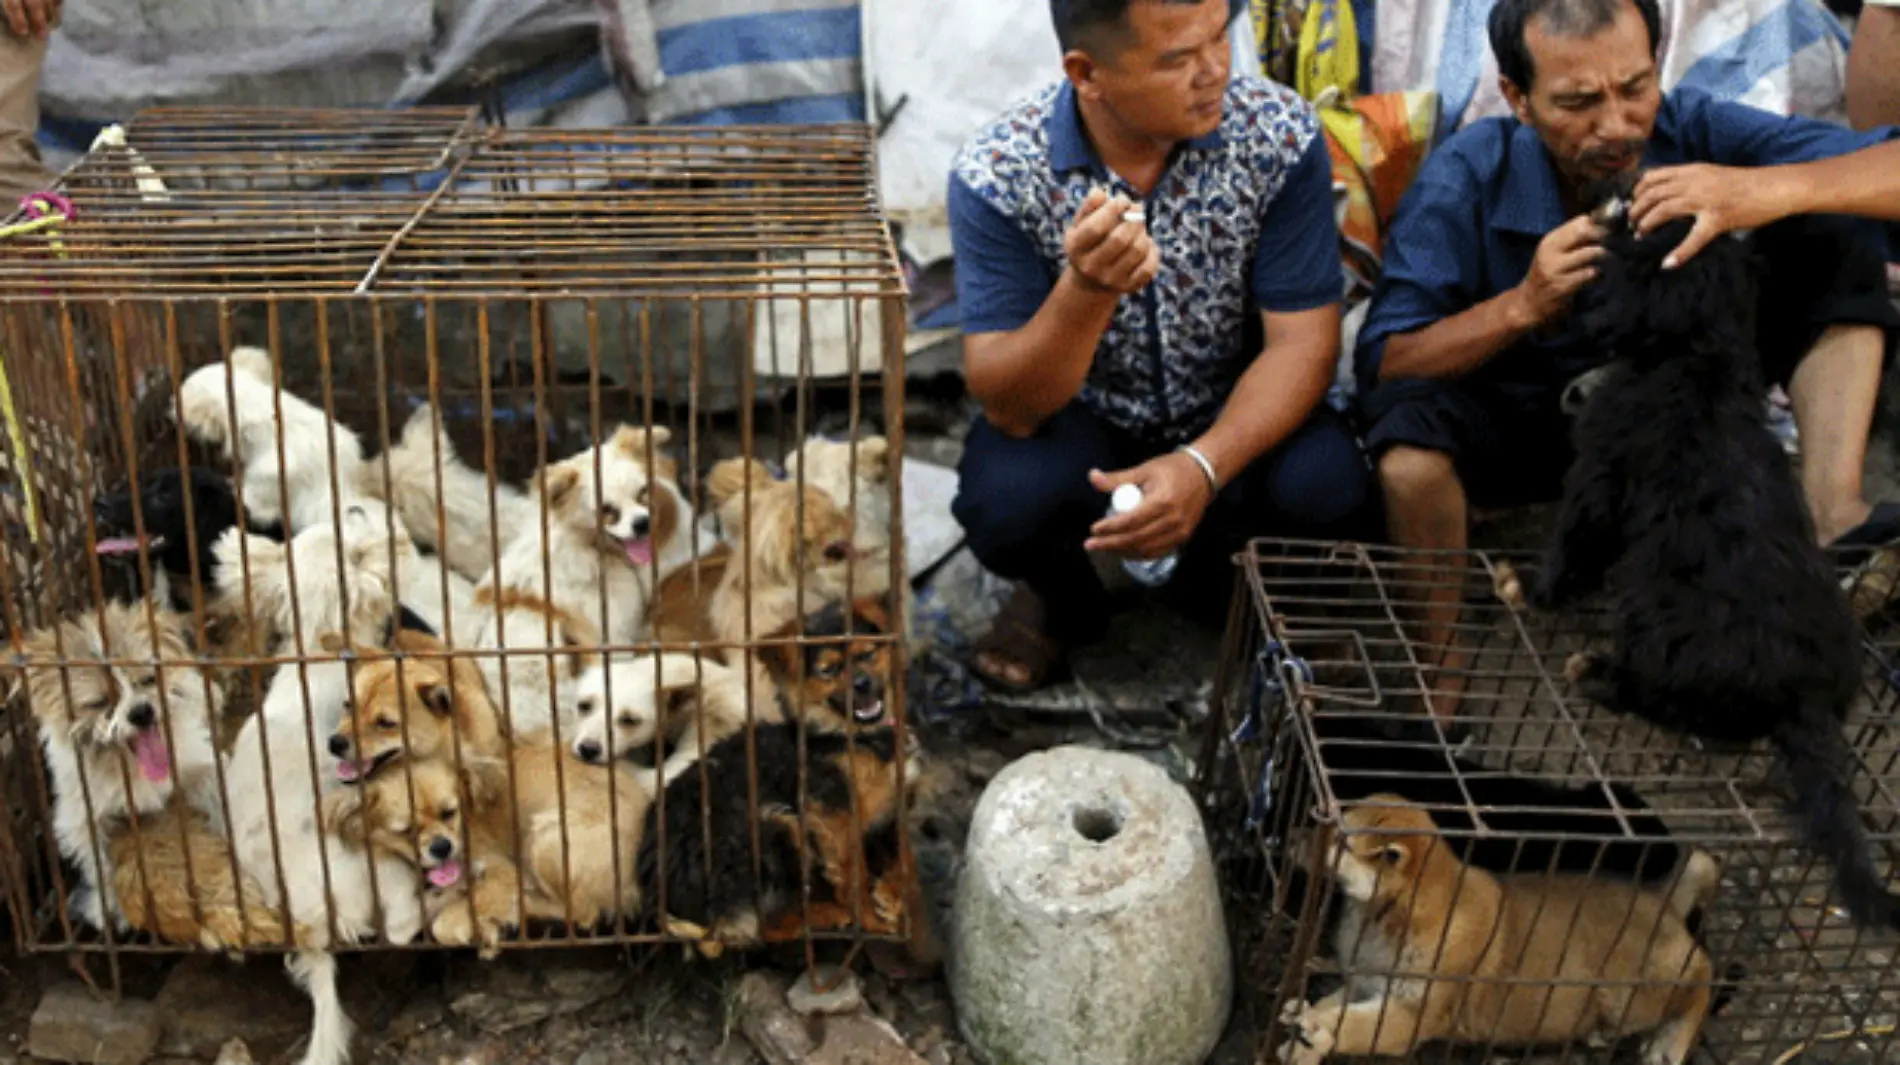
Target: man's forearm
[(1865, 184), (1023, 377), (1271, 400), (1459, 344)]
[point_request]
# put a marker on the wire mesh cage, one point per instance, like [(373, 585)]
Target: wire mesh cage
[(1615, 886), (425, 534)]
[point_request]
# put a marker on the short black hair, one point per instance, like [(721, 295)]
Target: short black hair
[(1077, 20), (1565, 18)]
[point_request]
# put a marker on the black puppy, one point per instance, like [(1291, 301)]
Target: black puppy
[(1728, 621), (173, 526)]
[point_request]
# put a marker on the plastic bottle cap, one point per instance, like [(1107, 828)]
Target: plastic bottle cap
[(1125, 498)]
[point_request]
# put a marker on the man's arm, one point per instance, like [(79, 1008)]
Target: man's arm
[(1873, 67), (1028, 342), (1763, 168), (1456, 345)]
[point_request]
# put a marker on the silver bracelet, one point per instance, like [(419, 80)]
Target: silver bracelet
[(1213, 482)]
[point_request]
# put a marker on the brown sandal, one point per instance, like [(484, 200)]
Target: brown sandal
[(1017, 639)]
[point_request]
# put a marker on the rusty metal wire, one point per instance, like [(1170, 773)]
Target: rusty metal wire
[(736, 288), (1329, 668)]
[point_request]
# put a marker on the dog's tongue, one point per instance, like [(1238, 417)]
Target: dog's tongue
[(348, 771), (119, 545), (155, 762), (640, 552), (446, 874)]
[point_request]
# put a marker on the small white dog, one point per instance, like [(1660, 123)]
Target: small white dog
[(298, 492), (119, 739), (603, 541), (464, 498), (617, 710)]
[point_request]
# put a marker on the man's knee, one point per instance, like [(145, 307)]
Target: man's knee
[(1414, 474), (1014, 494), (1321, 483)]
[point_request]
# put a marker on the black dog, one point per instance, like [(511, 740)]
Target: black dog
[(181, 509), (1729, 623)]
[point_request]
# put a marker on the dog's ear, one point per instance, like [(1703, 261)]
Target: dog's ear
[(872, 611), (435, 695), (874, 459), (679, 702), (633, 440), (727, 480), (559, 484)]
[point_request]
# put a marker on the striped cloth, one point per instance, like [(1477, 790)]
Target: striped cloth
[(1784, 56), (732, 62)]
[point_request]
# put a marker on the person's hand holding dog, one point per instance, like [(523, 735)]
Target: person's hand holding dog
[(1174, 496), (1721, 199), (1565, 262), (1109, 253), (31, 18)]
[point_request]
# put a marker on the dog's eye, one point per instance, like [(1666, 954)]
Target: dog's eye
[(1392, 855), (645, 497), (609, 514), (835, 552), (867, 657), (448, 813), (149, 681), (830, 667), (586, 707), (387, 724), (629, 721)]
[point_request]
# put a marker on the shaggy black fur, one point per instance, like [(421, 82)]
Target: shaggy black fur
[(1729, 623), (1405, 757), (170, 528), (704, 886)]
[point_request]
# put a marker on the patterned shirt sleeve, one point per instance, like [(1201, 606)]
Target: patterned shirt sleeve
[(1001, 279), (1297, 267)]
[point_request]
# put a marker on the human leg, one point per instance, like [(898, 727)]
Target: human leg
[(21, 170)]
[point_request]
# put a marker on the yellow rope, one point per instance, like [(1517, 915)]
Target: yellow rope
[(53, 214), (1831, 1037)]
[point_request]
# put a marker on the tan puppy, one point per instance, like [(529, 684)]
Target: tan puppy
[(184, 899), (429, 708), (456, 829), (1506, 961), (585, 862)]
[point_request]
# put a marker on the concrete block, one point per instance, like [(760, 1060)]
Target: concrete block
[(72, 1025), (1088, 927)]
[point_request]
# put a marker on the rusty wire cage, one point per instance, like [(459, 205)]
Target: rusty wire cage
[(524, 295), (1321, 697)]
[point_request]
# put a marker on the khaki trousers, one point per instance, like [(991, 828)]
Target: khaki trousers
[(21, 170)]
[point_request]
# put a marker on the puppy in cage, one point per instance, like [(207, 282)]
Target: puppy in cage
[(455, 520), (1435, 949), (667, 706), (185, 512), (1728, 619), (123, 741), (429, 707), (279, 442), (843, 821)]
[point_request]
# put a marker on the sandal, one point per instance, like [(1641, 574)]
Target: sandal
[(1871, 553), (1017, 639)]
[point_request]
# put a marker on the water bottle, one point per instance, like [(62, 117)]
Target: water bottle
[(1150, 572)]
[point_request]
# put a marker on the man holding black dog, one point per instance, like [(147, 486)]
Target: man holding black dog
[(1148, 271), (1467, 359)]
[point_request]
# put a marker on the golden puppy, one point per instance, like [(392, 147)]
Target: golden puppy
[(429, 708), (1512, 960)]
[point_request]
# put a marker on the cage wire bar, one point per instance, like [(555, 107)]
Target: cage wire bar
[(736, 286), (1321, 700)]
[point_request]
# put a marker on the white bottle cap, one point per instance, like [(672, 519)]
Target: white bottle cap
[(1125, 498)]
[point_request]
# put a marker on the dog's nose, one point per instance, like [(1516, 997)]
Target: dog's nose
[(142, 716), (340, 746), (441, 849), (641, 524), (863, 684), (588, 750)]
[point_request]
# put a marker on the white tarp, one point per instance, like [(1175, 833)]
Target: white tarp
[(954, 76)]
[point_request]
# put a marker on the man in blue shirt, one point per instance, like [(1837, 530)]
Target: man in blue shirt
[(1467, 349), (1116, 236)]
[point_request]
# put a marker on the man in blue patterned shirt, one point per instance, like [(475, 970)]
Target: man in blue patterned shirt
[(1148, 273)]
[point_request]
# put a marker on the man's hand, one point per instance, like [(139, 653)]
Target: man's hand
[(1720, 199), (1566, 261), (31, 18), (1174, 495), (1106, 253)]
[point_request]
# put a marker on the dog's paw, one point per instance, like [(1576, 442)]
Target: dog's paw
[(887, 905), (85, 905), (1311, 1037), (1507, 586), (454, 926), (1580, 667)]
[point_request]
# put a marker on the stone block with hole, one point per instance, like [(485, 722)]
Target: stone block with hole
[(1088, 924)]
